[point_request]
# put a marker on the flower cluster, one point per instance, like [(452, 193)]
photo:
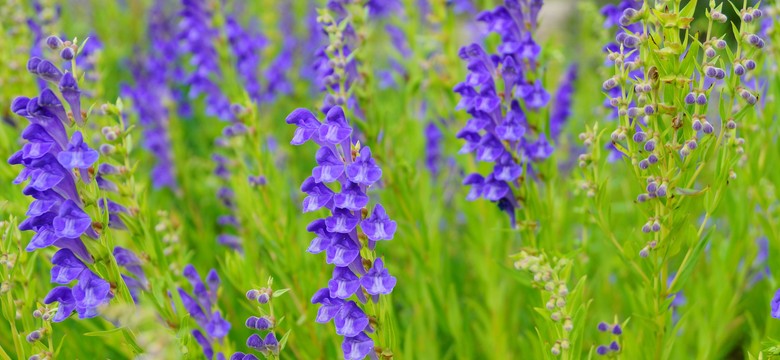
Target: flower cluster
[(201, 306), (546, 276), (663, 112), (268, 345), (246, 45), (197, 39), (349, 233), (561, 109), (276, 75), (503, 125), (54, 163), (614, 346), (152, 95)]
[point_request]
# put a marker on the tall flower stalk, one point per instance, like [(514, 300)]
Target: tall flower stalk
[(680, 104), (349, 235), (62, 178), (504, 94)]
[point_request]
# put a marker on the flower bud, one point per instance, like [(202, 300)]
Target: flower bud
[(652, 159), (650, 145), (34, 336), (645, 252), (690, 99), (53, 42), (739, 70), (696, 125), (67, 54)]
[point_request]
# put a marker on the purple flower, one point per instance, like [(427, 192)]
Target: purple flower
[(89, 293), (775, 305), (351, 197), (350, 320), (324, 238), (200, 308), (319, 195), (344, 283), (364, 170), (329, 166), (307, 125), (67, 267), (78, 154), (335, 129), (433, 151), (342, 221), (378, 226), (71, 221), (329, 306), (477, 183), (378, 280), (561, 109), (66, 303), (342, 251), (357, 347)]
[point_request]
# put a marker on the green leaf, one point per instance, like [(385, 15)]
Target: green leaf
[(686, 270), (280, 292)]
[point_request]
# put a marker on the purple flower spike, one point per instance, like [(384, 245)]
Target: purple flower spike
[(364, 170), (342, 221), (319, 195), (307, 125), (378, 226), (90, 293), (343, 251), (329, 166), (357, 347), (351, 197), (343, 284), (335, 129), (70, 91), (78, 154), (67, 304), (350, 320), (71, 221), (329, 306), (67, 267), (378, 280)]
